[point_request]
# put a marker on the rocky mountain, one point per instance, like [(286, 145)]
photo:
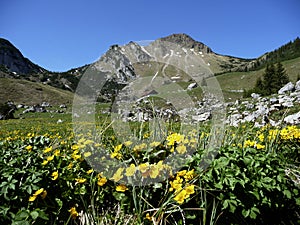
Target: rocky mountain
[(176, 58), (12, 60)]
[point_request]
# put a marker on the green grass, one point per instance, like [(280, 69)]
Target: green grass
[(232, 81), (30, 93)]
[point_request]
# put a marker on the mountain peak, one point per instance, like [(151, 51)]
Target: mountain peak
[(187, 41), (13, 60)]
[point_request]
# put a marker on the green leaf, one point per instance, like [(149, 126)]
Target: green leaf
[(245, 212), (22, 215), (34, 215), (43, 215), (287, 193), (22, 222)]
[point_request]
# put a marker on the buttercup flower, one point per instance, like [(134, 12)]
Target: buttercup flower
[(73, 212), (121, 188), (54, 175)]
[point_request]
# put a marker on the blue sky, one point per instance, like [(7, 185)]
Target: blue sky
[(63, 34)]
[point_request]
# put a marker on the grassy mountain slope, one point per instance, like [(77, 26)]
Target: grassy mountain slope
[(232, 83), (29, 93)]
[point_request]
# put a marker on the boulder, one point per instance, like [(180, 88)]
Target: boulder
[(288, 87), (191, 86), (293, 119), (297, 85)]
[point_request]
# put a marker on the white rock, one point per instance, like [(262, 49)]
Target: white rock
[(191, 86), (297, 86), (288, 87), (293, 119), (255, 96)]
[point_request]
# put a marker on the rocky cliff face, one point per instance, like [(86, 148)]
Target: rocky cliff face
[(12, 60), (188, 42)]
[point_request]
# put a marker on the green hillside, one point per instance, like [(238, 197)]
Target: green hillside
[(29, 93), (233, 83)]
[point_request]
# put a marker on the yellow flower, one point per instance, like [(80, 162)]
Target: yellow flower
[(181, 149), (50, 158), (76, 156), (154, 171), (144, 167), (127, 143), (189, 175), (28, 148), (90, 171), (75, 147), (118, 147), (88, 142), (45, 162), (118, 175), (70, 166), (101, 181), (73, 212), (154, 144), (176, 184), (139, 147), (174, 138), (116, 155), (44, 194), (181, 173), (87, 154), (179, 198), (148, 217), (80, 180), (130, 170), (54, 175), (259, 146), (249, 143), (32, 198), (190, 189), (49, 149), (56, 152), (39, 191), (121, 188)]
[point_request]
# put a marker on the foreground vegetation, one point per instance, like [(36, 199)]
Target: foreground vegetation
[(46, 176)]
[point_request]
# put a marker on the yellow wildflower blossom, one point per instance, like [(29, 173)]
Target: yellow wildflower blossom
[(87, 154), (181, 149), (101, 181), (54, 175), (80, 180), (90, 171), (154, 171), (260, 146), (28, 148), (50, 158), (73, 213), (45, 162), (174, 138), (128, 143), (56, 152), (179, 198), (49, 149), (118, 147), (121, 188), (32, 198), (44, 194), (118, 175), (130, 170)]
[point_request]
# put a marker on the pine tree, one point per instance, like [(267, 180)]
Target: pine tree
[(280, 76), (269, 84)]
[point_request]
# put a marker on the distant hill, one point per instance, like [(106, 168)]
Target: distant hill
[(165, 57), (12, 60), (31, 93), (288, 51)]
